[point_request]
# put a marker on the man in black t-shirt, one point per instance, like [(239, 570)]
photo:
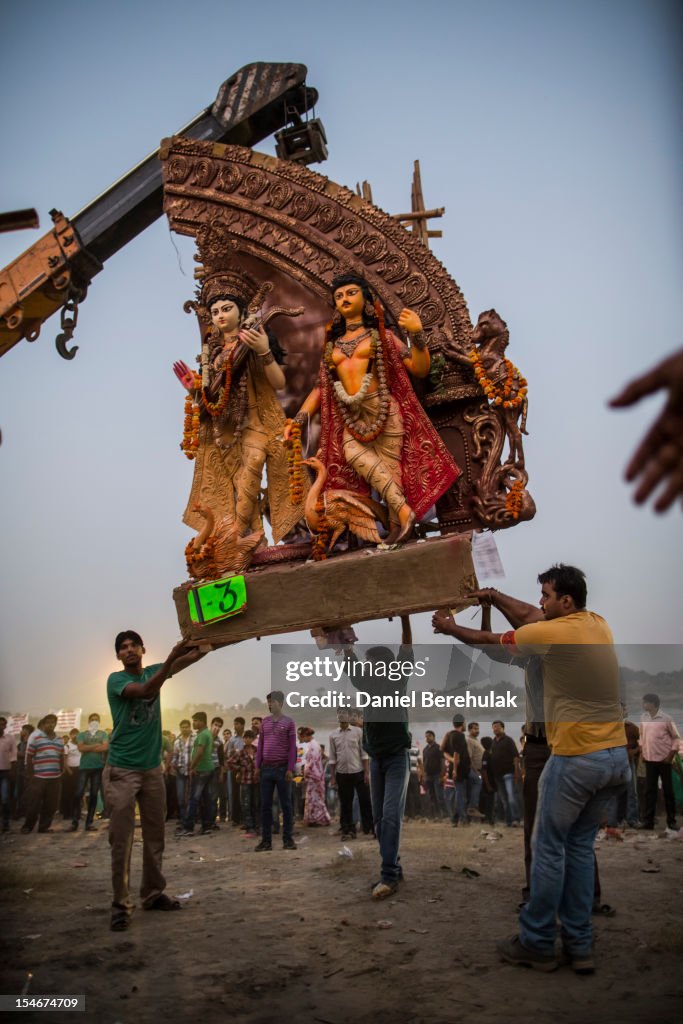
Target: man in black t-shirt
[(504, 760), (432, 765), (456, 752)]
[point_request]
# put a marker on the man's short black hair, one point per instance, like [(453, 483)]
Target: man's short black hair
[(470, 724), (277, 695), (567, 581), (217, 719), (458, 720), (651, 698), (380, 655), (200, 715), (248, 734), (127, 634), (430, 732), (240, 720), (185, 721), (497, 721)]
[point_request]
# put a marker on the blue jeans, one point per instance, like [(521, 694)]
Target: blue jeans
[(473, 789), (574, 794), (248, 799), (273, 778), (181, 794), (200, 801), (388, 788), (434, 787), (91, 777), (507, 792)]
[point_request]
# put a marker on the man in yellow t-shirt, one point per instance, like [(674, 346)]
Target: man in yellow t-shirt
[(588, 766)]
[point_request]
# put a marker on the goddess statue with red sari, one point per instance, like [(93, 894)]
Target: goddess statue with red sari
[(375, 435)]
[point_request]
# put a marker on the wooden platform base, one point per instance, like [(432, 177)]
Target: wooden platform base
[(355, 587)]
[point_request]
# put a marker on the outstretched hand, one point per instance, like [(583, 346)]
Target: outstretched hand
[(443, 621), (183, 654), (483, 596), (184, 374), (659, 457)]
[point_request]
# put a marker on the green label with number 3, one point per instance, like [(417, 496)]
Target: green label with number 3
[(217, 600)]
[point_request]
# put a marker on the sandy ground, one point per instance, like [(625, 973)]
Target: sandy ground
[(294, 935)]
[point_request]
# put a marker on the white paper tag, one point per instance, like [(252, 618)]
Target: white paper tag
[(487, 563)]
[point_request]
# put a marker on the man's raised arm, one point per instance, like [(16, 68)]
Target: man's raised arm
[(181, 656)]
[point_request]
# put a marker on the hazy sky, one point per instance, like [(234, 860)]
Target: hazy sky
[(551, 133)]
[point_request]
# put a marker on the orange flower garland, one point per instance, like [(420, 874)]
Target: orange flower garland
[(294, 463), (190, 442), (216, 408), (320, 539), (514, 499), (512, 393)]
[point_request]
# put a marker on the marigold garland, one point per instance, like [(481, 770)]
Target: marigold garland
[(514, 499), (512, 393), (294, 464), (214, 409), (190, 443), (321, 538)]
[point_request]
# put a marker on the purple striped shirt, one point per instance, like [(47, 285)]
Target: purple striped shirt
[(47, 754), (277, 743)]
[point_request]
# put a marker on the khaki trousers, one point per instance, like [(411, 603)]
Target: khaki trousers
[(122, 787)]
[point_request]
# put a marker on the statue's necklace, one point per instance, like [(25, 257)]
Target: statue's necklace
[(349, 345)]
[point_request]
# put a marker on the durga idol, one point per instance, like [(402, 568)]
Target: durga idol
[(374, 434)]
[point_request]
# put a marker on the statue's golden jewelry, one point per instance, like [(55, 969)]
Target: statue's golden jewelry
[(363, 432), (418, 341), (349, 345)]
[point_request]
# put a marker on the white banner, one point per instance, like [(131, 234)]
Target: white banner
[(67, 719), (15, 722)]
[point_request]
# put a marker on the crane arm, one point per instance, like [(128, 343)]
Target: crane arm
[(54, 273)]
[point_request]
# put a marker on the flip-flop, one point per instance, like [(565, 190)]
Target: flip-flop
[(163, 902), (120, 921)]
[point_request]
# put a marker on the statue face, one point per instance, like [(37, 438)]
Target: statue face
[(349, 301), (225, 315)]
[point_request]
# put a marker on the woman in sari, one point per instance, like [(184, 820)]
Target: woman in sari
[(315, 809)]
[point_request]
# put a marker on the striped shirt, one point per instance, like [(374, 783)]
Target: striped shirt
[(182, 752), (47, 753), (277, 743)]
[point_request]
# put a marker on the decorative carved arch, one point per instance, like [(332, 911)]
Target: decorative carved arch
[(305, 226)]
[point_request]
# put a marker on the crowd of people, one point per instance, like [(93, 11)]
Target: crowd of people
[(571, 771), (461, 778)]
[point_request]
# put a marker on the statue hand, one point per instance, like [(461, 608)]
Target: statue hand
[(409, 321), (256, 340), (184, 374)]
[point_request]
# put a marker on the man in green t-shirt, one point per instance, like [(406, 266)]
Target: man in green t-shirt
[(201, 774), (133, 772), (93, 745)]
